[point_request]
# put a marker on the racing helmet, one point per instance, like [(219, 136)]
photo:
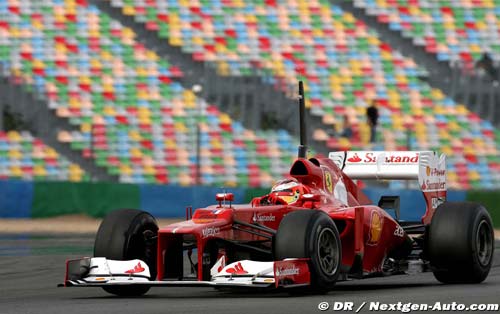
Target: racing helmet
[(289, 190)]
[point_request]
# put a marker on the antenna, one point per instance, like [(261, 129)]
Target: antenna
[(302, 122)]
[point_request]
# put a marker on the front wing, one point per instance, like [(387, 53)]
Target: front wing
[(100, 272)]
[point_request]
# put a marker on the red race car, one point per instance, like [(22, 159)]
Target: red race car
[(313, 229)]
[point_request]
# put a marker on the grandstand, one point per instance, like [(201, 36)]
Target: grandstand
[(23, 156), (135, 118), (451, 30)]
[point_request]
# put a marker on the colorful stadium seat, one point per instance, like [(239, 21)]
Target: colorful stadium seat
[(24, 157), (451, 30), (344, 64), (134, 118)]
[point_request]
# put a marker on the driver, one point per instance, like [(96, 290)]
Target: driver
[(288, 190)]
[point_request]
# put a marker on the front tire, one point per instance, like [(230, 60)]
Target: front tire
[(311, 234), (461, 243), (128, 234)]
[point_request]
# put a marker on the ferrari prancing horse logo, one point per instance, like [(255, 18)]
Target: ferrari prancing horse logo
[(328, 181)]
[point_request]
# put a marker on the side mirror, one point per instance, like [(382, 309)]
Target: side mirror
[(311, 197), (223, 197)]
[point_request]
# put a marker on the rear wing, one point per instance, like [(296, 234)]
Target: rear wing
[(427, 167)]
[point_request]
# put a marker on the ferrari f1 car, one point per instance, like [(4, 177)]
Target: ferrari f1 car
[(313, 229)]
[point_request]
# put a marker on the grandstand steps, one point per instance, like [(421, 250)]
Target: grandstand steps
[(441, 75), (249, 99), (44, 123)]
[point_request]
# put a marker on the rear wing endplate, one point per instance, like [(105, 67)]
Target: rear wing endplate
[(428, 167)]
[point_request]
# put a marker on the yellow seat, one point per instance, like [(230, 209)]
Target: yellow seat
[(180, 127), (95, 63), (215, 143), (74, 168), (86, 127), (135, 152), (474, 175), (143, 113), (14, 136), (143, 95), (39, 171), (64, 137), (452, 176), (75, 177), (125, 170), (446, 150), (230, 184), (149, 170), (16, 171), (185, 180), (475, 48), (224, 118), (51, 153), (175, 41), (128, 10), (222, 68), (135, 135)]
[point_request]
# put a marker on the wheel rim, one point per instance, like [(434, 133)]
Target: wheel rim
[(328, 251), (149, 245), (142, 246), (484, 243)]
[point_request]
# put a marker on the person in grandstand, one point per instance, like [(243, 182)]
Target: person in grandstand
[(372, 118), (485, 65), (347, 129)]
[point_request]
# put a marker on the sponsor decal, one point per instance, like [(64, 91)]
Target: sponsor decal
[(399, 232), (237, 270), (287, 271), (206, 216), (263, 218), (210, 232), (328, 181), (394, 158), (436, 201), (354, 158), (202, 220), (376, 224), (435, 180), (218, 266), (291, 272), (435, 172), (137, 269), (430, 186)]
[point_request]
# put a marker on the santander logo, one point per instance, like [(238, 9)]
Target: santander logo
[(354, 158), (287, 271), (390, 158), (237, 270), (137, 269)]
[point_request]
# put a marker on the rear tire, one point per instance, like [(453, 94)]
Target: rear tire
[(311, 234), (461, 243), (127, 234)]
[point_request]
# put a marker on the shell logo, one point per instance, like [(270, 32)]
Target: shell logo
[(376, 224)]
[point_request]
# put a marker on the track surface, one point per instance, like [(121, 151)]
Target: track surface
[(32, 266)]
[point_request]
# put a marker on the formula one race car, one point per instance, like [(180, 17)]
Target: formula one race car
[(313, 229)]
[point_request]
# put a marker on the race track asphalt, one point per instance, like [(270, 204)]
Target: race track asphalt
[(32, 266)]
